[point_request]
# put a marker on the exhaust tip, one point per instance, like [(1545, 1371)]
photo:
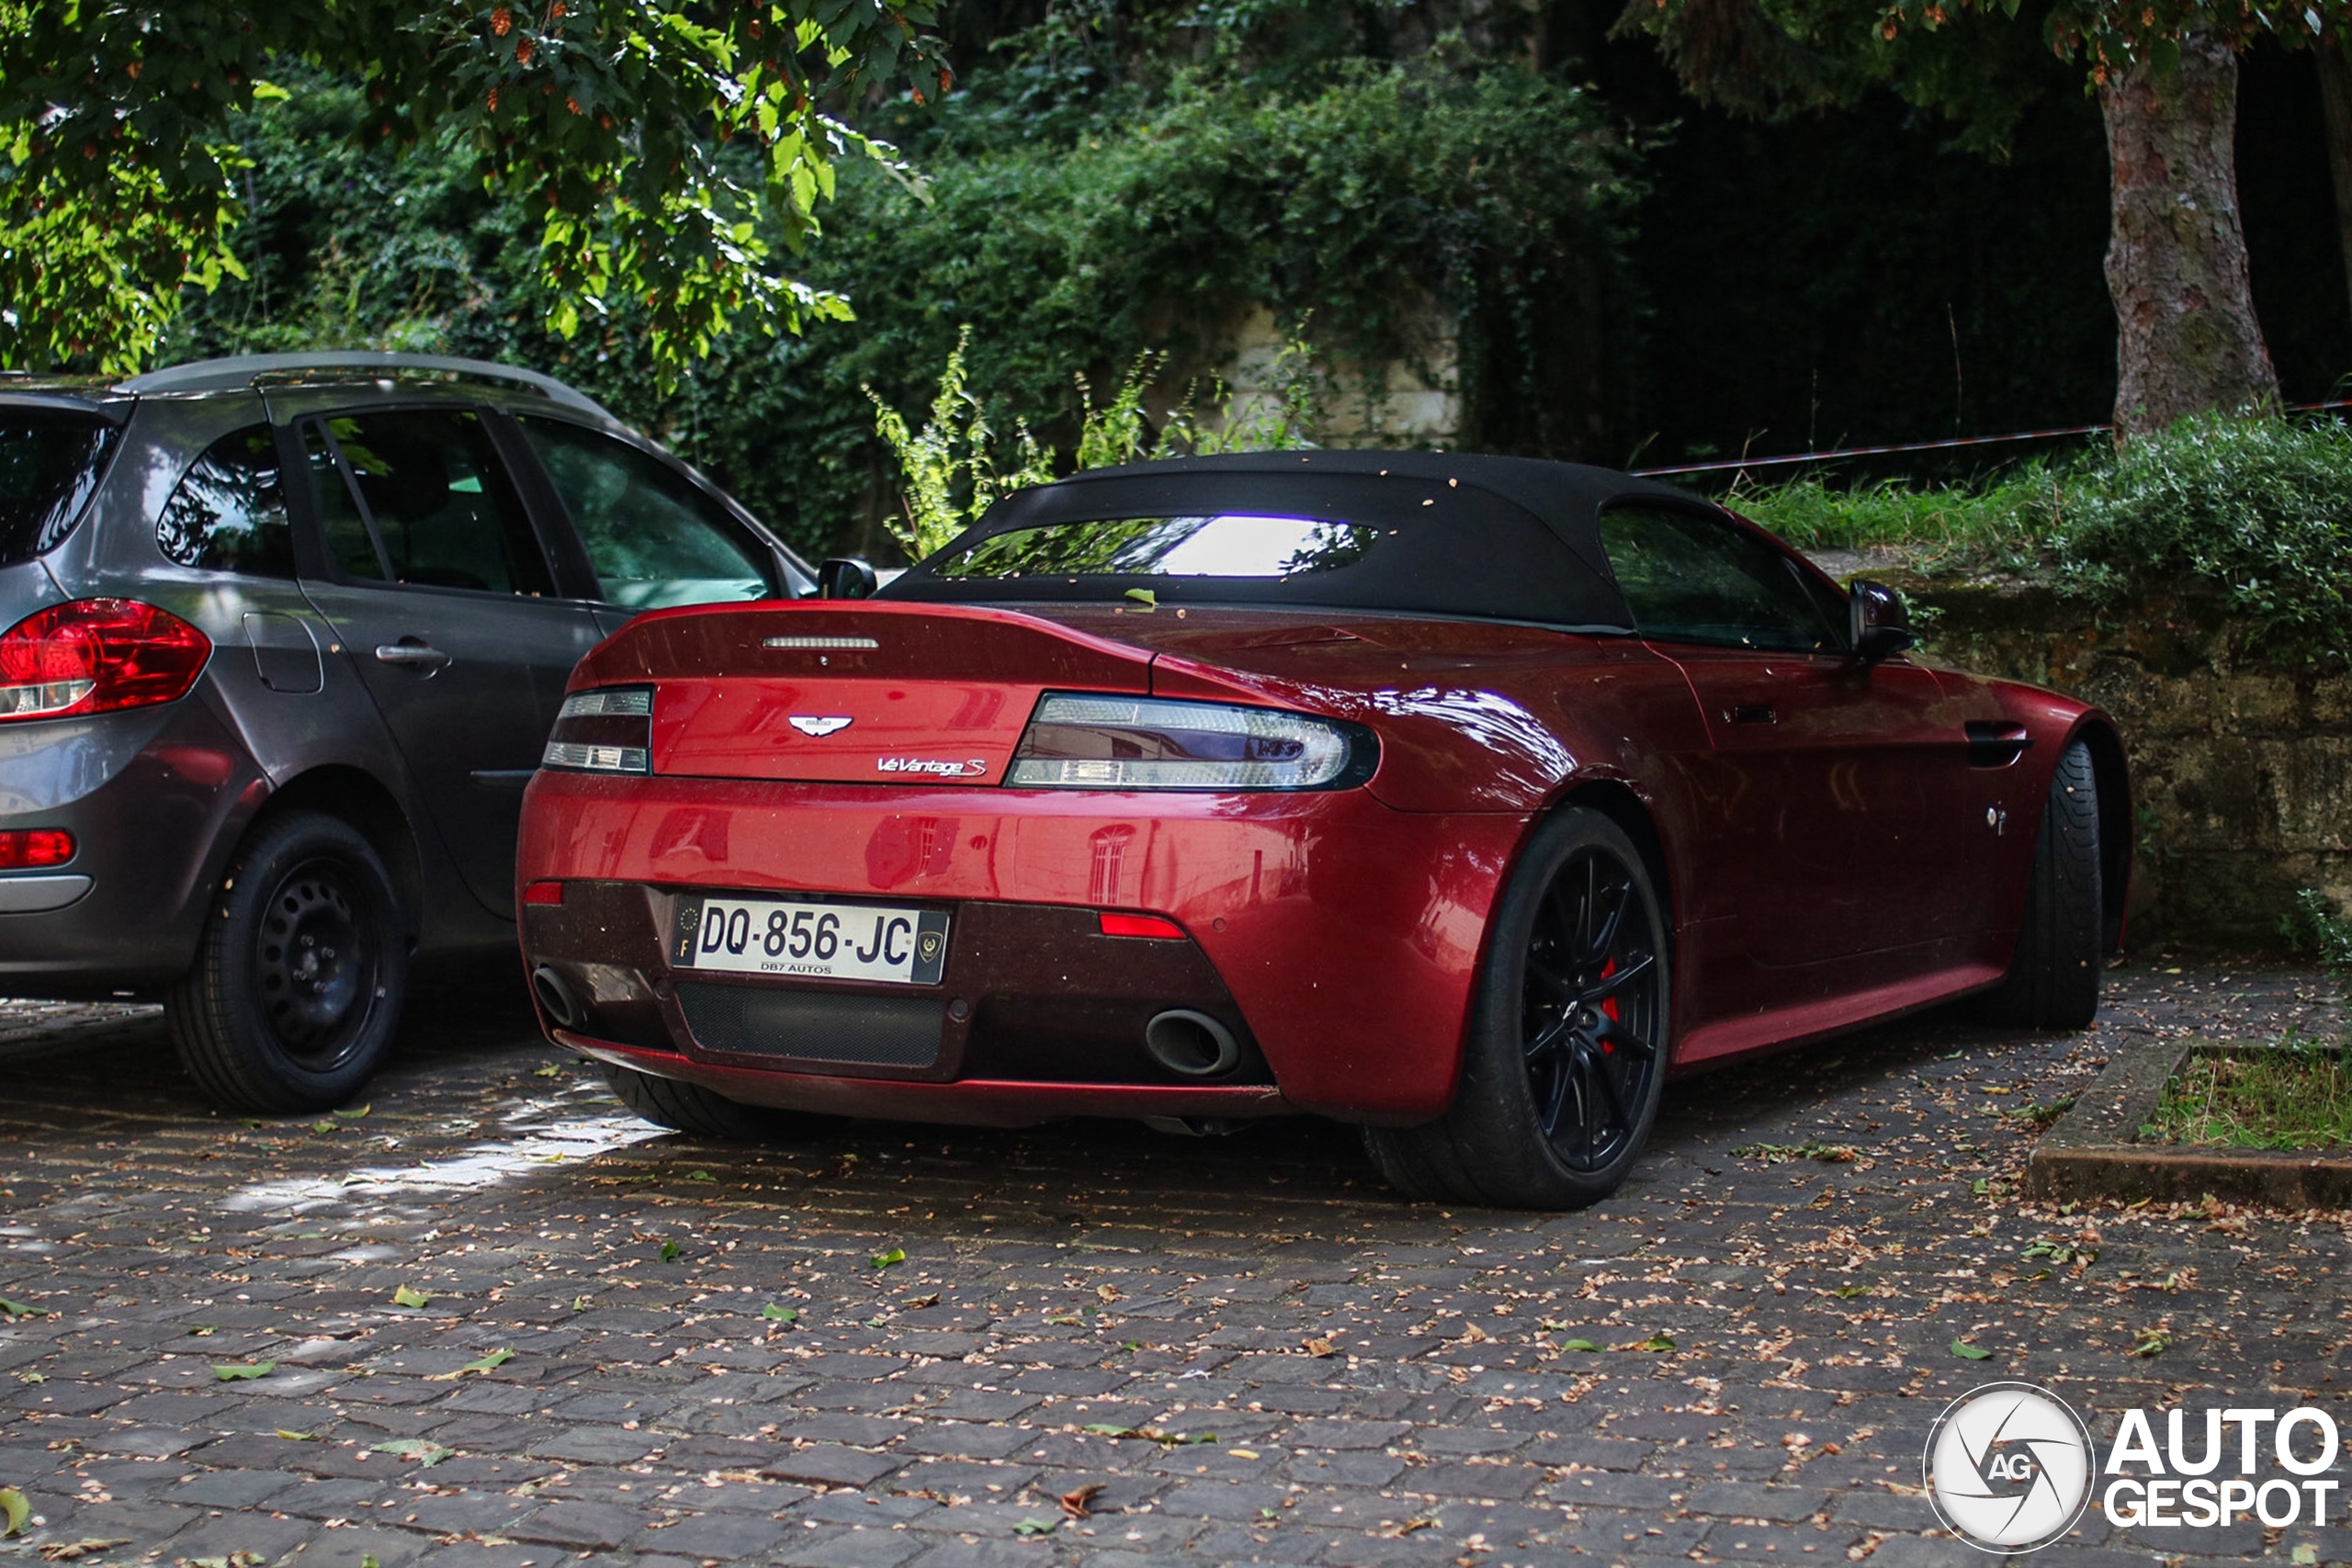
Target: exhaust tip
[(555, 998), (1191, 1044)]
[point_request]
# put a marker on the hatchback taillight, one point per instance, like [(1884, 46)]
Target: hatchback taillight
[(96, 655), (605, 730), (28, 848)]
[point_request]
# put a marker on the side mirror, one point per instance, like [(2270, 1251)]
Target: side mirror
[(1881, 623), (845, 577)]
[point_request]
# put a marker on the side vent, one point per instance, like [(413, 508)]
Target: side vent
[(1996, 743)]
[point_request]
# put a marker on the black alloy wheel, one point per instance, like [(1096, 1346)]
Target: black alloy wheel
[(1590, 1020), (299, 978), (1564, 1056)]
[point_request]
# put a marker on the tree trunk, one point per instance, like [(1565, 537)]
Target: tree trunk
[(2186, 337), (2335, 103)]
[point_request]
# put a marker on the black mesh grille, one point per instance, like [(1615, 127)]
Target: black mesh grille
[(820, 1026)]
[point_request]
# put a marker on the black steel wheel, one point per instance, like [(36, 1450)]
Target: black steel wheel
[(317, 958), (1565, 1053), (298, 980)]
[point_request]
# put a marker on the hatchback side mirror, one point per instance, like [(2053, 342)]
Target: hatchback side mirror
[(845, 577), (1881, 621)]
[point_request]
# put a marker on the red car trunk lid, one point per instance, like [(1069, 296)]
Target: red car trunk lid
[(875, 693)]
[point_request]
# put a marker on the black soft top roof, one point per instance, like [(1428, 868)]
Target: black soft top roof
[(1510, 538)]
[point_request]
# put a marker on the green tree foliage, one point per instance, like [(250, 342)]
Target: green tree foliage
[(655, 154), (1142, 216)]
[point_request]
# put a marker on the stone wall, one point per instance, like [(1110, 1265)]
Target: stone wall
[(2241, 772)]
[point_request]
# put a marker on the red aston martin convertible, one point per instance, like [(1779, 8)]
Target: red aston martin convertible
[(1466, 799)]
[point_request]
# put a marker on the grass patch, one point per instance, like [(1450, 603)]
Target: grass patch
[(2294, 1095)]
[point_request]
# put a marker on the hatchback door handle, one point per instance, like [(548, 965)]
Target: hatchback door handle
[(413, 654)]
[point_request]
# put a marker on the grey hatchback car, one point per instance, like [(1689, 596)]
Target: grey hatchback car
[(284, 639)]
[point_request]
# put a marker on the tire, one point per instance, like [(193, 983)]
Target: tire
[(2053, 977), (704, 1113), (299, 978), (1566, 1054)]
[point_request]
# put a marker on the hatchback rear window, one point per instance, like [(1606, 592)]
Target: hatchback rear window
[(49, 464)]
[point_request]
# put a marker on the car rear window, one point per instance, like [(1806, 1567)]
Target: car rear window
[(1226, 545), (50, 461), (1402, 542)]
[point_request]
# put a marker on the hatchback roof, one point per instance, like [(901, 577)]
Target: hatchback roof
[(259, 371)]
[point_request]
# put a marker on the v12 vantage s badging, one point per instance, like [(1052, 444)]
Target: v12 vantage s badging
[(1465, 799)]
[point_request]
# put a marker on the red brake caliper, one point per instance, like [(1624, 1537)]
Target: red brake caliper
[(1609, 1007)]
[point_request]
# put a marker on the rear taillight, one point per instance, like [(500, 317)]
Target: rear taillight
[(96, 655), (28, 848), (1077, 741), (608, 729), (543, 893)]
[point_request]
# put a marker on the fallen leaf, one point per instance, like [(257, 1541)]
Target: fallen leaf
[(315, 1127), (670, 1250), (1080, 1503), (1145, 597), (1474, 1335), (1319, 1348), (20, 1309), (2305, 1555), (700, 1176), (204, 1330), (293, 1437), (410, 1296), (1243, 1453), (354, 1179), (1579, 1345), (2153, 1342), (1064, 1319), (775, 1314), (1035, 1528), (13, 1510), (240, 1371), (355, 1115), (916, 1303), (580, 1303), (1847, 1292), (72, 1551), (1108, 1292), (495, 1359), (896, 1256), (1398, 1531), (426, 1453), (1655, 1342), (1970, 1352), (551, 1070)]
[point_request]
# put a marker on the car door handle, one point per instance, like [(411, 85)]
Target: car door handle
[(413, 654)]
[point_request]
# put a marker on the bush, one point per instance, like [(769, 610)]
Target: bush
[(2256, 510)]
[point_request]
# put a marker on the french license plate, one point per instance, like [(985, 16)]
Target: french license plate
[(816, 942)]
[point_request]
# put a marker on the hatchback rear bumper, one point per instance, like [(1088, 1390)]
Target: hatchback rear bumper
[(1338, 938), (151, 795)]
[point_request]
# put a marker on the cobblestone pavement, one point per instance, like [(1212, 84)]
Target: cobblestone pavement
[(490, 1321)]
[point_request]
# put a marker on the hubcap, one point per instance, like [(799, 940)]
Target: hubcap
[(1590, 1014), (315, 965)]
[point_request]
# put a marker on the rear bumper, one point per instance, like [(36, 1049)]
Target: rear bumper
[(1336, 938), (151, 795)]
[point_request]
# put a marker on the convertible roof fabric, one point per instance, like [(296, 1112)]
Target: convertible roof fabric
[(1508, 538)]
